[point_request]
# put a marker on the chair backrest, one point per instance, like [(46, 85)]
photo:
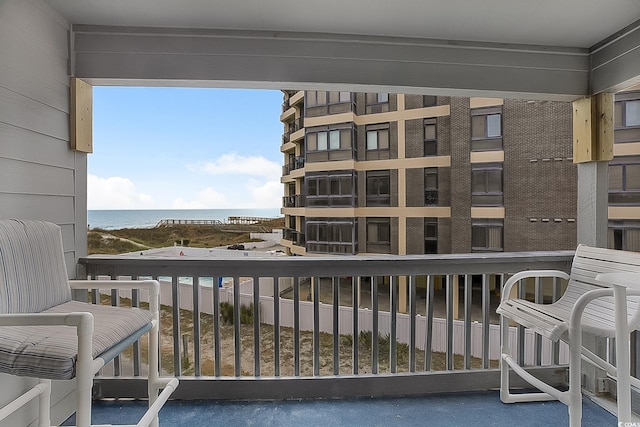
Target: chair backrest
[(33, 274), (587, 264)]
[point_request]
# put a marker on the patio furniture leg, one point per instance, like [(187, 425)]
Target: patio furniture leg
[(504, 366), (44, 404), (622, 355)]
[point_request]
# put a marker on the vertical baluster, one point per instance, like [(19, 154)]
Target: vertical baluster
[(555, 346), (393, 296), (522, 292), (296, 327), (316, 326), (237, 336), (467, 320), (276, 326), (538, 341), (115, 299), (486, 306), (336, 329), (355, 289), (196, 326), (256, 326), (175, 301), (428, 330), (216, 326), (412, 323), (135, 302), (449, 320), (374, 332)]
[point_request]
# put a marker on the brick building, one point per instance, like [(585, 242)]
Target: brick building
[(411, 174)]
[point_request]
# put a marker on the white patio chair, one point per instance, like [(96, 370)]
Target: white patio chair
[(602, 298), (46, 335)]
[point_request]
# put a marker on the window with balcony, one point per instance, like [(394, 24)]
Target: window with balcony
[(487, 235), (624, 181), (330, 235), (379, 235), (626, 117), (379, 188), (486, 184), (431, 186), (624, 235), (331, 189), (377, 103), (377, 142), (431, 235), (486, 129), (320, 103), (326, 144), (429, 100), (430, 138)]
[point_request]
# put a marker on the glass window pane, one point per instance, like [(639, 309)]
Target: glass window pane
[(322, 187), (383, 97), (632, 113), (312, 142), (495, 237), (322, 141), (478, 182), (334, 97), (322, 97), (312, 187), (383, 139), (429, 101), (312, 99), (632, 240), (615, 177), (431, 230), (429, 132), (372, 98), (335, 187), (495, 181), (633, 177), (478, 237), (372, 140), (345, 139), (323, 233), (477, 126), (334, 140), (494, 128), (430, 180), (345, 233), (384, 232), (617, 114), (372, 232), (345, 185), (345, 96)]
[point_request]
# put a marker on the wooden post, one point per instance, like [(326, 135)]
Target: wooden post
[(81, 116)]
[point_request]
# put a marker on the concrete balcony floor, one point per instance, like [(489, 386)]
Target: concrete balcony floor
[(462, 409)]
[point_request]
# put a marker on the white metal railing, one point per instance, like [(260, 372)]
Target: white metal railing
[(343, 302)]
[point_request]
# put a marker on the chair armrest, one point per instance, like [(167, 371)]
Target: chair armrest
[(79, 319), (506, 290)]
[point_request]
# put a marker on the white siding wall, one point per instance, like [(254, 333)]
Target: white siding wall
[(40, 177)]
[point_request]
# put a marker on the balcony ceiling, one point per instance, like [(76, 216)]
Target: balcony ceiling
[(570, 29)]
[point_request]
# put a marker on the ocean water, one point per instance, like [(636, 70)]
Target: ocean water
[(117, 219)]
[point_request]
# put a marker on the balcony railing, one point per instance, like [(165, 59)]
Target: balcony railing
[(295, 201), (296, 163), (313, 323)]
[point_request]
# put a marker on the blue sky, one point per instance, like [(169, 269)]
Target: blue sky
[(185, 148)]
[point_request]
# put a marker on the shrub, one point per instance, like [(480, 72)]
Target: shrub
[(227, 314)]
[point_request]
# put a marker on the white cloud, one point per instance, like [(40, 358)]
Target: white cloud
[(205, 199), (267, 195), (115, 193), (232, 163)]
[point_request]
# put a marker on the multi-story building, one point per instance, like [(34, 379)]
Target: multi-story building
[(624, 174), (409, 174)]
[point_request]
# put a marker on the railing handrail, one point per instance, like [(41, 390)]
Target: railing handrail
[(339, 265)]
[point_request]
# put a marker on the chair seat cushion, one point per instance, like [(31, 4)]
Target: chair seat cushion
[(51, 351)]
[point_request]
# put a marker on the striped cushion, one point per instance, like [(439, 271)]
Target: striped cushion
[(33, 274), (50, 351)]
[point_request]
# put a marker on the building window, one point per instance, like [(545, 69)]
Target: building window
[(327, 189), (486, 184), (624, 235), (316, 98), (431, 186), (325, 144), (330, 235), (430, 138), (430, 235), (627, 113), (379, 235), (429, 100), (378, 137), (624, 181), (378, 188), (486, 129), (377, 103), (486, 235)]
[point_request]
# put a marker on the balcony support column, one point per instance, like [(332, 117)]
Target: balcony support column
[(592, 150)]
